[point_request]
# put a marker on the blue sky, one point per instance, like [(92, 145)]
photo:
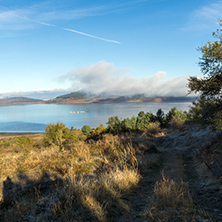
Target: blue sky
[(111, 47)]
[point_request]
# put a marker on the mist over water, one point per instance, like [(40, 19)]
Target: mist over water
[(34, 118)]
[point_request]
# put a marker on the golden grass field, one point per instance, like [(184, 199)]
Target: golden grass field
[(126, 177)]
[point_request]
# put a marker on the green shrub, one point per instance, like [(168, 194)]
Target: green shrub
[(143, 120), (98, 131), (175, 114), (55, 133), (86, 130), (206, 113)]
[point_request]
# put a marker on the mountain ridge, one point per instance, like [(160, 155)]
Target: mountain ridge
[(83, 98)]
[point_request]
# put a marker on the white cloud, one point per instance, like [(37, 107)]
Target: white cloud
[(206, 17), (104, 78), (13, 20)]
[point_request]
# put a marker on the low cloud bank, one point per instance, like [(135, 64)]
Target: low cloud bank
[(103, 78), (44, 95)]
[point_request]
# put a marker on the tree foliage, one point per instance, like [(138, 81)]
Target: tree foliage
[(211, 66), (86, 130), (144, 121), (209, 108)]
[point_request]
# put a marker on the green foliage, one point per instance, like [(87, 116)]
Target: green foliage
[(209, 108), (23, 142), (86, 130), (114, 125), (144, 120), (128, 125), (160, 116), (141, 114), (98, 131), (55, 133), (134, 124), (206, 112), (175, 114), (211, 66), (19, 142)]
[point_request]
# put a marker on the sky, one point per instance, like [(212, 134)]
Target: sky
[(111, 47)]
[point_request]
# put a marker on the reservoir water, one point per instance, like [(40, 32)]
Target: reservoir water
[(34, 118)]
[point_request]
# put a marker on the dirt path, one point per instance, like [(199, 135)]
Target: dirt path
[(176, 161)]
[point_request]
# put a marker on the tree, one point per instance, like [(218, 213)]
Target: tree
[(143, 120), (114, 125), (160, 116), (211, 66), (209, 87)]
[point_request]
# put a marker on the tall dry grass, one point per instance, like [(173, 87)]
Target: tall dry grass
[(172, 201), (168, 193), (85, 180), (94, 197)]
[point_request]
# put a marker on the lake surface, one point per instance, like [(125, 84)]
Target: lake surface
[(34, 118)]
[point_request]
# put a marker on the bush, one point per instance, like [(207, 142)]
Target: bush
[(55, 133), (175, 114), (86, 130), (98, 131)]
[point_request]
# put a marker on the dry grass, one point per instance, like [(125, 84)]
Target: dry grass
[(168, 193), (83, 180), (177, 123), (153, 128), (94, 197), (171, 202)]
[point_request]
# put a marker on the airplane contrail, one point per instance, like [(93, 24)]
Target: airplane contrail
[(72, 30), (66, 29), (92, 36), (32, 20)]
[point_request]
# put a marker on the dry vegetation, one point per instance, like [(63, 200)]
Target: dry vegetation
[(128, 177), (84, 179)]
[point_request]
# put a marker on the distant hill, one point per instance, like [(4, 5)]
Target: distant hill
[(73, 95), (83, 98), (18, 101)]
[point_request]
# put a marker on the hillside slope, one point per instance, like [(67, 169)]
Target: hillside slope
[(18, 101)]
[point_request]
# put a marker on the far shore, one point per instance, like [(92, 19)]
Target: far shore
[(98, 100)]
